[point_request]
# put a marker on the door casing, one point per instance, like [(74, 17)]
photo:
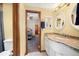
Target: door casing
[(16, 33), (33, 11)]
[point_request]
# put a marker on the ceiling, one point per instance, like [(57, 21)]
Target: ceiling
[(44, 5)]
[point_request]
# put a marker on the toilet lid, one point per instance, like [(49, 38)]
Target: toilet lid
[(6, 53)]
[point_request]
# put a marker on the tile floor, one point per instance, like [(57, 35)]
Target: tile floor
[(37, 53), (33, 49), (32, 44)]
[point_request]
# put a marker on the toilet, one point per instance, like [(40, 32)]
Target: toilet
[(8, 46)]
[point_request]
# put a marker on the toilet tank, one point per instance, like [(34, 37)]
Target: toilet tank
[(8, 44)]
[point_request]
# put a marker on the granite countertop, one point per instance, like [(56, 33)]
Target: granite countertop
[(72, 42)]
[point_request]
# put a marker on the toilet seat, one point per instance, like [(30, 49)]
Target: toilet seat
[(6, 53)]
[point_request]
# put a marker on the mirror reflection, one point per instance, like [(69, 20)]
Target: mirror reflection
[(75, 14)]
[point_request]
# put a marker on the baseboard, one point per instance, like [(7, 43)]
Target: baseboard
[(43, 50), (25, 53)]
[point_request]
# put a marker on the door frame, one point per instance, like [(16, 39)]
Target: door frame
[(16, 33), (32, 11)]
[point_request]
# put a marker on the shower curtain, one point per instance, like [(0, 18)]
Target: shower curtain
[(1, 32)]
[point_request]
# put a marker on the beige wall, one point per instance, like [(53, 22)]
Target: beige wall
[(22, 29), (22, 9), (8, 29), (68, 28), (7, 20), (44, 13)]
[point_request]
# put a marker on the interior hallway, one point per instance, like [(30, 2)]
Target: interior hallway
[(33, 48), (32, 44)]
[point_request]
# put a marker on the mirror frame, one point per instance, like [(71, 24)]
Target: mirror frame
[(72, 13), (62, 17)]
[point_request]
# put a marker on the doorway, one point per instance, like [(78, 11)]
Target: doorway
[(33, 31)]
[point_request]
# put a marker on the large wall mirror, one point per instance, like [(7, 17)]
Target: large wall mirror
[(60, 21), (75, 16)]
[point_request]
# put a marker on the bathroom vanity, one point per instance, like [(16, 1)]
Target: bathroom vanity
[(60, 45)]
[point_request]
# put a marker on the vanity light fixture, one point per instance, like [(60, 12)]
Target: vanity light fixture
[(68, 4), (60, 6)]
